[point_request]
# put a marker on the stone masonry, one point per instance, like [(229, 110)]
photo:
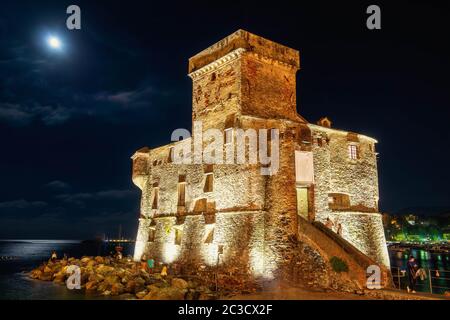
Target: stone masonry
[(230, 216)]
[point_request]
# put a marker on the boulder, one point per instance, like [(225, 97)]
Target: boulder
[(103, 269), (117, 289), (141, 294), (59, 278), (166, 294), (179, 283), (91, 285), (47, 269), (103, 286), (99, 260), (112, 279), (46, 276), (85, 260), (36, 274)]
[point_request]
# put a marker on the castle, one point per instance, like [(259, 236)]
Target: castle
[(232, 217)]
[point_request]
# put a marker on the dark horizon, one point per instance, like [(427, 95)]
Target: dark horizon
[(71, 120)]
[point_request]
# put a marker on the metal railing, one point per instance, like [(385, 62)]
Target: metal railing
[(437, 281)]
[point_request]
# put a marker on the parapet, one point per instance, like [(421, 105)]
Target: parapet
[(249, 42)]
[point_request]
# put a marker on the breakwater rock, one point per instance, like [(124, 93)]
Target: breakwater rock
[(124, 278)]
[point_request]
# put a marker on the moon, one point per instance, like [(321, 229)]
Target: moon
[(54, 42)]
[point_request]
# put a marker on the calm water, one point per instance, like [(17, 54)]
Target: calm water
[(14, 283), (28, 254)]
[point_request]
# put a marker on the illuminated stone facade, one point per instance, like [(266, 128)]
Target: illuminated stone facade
[(232, 216)]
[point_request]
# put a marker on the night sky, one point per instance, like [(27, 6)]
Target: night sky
[(70, 119)]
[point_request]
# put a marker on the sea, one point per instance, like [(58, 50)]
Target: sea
[(18, 257)]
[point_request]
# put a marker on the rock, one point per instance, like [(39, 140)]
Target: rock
[(99, 260), (96, 277), (130, 286), (59, 277), (36, 274), (152, 287), (179, 283), (205, 296), (85, 260), (47, 269), (103, 269), (141, 294), (117, 289), (166, 294), (46, 276), (91, 263), (91, 285), (112, 279), (103, 286)]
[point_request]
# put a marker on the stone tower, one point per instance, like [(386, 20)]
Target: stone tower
[(231, 217)]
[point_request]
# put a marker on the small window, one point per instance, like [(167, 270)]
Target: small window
[(319, 142), (209, 178), (181, 194), (353, 151), (209, 236), (338, 201), (155, 198), (229, 136), (151, 235), (171, 153), (209, 182), (178, 236)]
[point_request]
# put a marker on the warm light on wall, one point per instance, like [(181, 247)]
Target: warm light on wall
[(257, 261), (139, 250), (170, 252), (209, 254)]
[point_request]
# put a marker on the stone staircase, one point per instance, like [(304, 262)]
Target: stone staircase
[(332, 245)]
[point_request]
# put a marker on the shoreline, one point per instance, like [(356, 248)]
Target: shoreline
[(107, 278)]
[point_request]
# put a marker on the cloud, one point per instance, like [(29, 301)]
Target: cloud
[(14, 114), (22, 114), (129, 99), (81, 198), (57, 185), (22, 204)]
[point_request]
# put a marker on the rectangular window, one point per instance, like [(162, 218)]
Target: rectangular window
[(229, 136), (178, 236), (181, 194), (209, 182), (151, 235), (209, 178), (353, 152), (171, 155), (155, 198), (209, 236), (338, 201)]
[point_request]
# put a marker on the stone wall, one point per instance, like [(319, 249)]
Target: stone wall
[(248, 223), (335, 173)]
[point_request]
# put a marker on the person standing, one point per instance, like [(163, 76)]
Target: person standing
[(412, 267), (339, 229), (54, 256), (164, 272), (151, 264), (329, 223)]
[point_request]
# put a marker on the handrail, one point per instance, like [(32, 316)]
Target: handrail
[(401, 273)]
